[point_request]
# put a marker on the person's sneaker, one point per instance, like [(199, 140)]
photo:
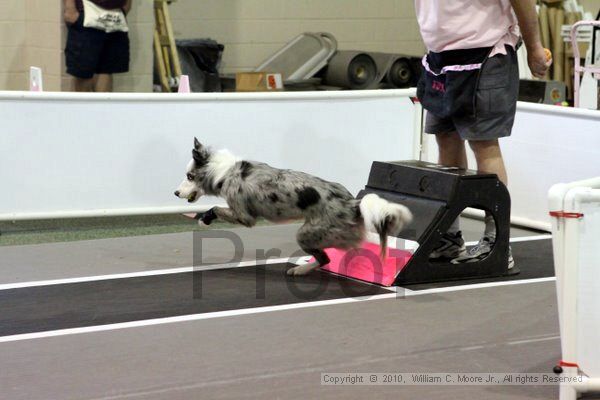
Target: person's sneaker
[(481, 251), (451, 245)]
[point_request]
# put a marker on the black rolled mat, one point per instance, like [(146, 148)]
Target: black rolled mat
[(47, 308), (533, 258)]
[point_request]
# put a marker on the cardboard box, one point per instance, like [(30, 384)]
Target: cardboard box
[(258, 82)]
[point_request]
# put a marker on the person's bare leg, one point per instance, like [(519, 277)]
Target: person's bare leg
[(104, 83), (84, 85), (489, 157), (452, 151)]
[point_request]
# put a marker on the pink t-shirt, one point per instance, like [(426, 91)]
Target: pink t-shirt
[(466, 24)]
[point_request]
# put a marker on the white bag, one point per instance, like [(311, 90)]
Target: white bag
[(105, 20)]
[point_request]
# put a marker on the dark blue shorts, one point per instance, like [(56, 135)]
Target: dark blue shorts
[(91, 51), (496, 103)]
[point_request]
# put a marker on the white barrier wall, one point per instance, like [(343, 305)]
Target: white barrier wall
[(548, 145), (69, 155)]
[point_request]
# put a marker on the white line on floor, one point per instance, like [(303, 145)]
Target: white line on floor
[(527, 341), (401, 293), (531, 238), (169, 271), (192, 317), (536, 339), (478, 286), (520, 239), (471, 348)]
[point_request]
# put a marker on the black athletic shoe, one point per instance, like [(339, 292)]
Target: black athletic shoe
[(452, 245)]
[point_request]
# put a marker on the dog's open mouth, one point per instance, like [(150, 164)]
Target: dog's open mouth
[(192, 197)]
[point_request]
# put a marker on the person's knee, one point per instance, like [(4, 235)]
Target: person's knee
[(485, 148), (489, 158), (104, 83), (84, 84), (449, 140)]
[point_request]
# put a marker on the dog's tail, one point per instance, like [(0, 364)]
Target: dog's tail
[(384, 218)]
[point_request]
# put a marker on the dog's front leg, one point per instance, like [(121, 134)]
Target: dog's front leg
[(228, 215)]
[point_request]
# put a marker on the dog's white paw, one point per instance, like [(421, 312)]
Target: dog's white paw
[(301, 269)]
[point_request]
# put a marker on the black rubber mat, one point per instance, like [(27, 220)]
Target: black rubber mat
[(55, 307), (533, 258)]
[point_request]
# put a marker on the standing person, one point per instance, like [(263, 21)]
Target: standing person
[(97, 42), (470, 89)]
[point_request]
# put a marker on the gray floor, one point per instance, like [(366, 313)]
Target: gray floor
[(278, 354)]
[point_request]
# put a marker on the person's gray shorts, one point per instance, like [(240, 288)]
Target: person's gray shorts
[(496, 103)]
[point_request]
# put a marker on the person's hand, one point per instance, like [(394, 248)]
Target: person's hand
[(539, 60), (71, 15)]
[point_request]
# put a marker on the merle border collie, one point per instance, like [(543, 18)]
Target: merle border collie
[(332, 216)]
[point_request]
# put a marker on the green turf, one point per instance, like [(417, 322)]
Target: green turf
[(68, 230)]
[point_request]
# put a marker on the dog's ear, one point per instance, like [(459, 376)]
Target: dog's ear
[(197, 145), (200, 153), (200, 156)]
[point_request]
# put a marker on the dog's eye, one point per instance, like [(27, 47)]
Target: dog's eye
[(190, 177)]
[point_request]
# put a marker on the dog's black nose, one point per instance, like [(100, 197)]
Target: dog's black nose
[(177, 193)]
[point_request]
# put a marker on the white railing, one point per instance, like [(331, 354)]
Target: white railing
[(575, 211)]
